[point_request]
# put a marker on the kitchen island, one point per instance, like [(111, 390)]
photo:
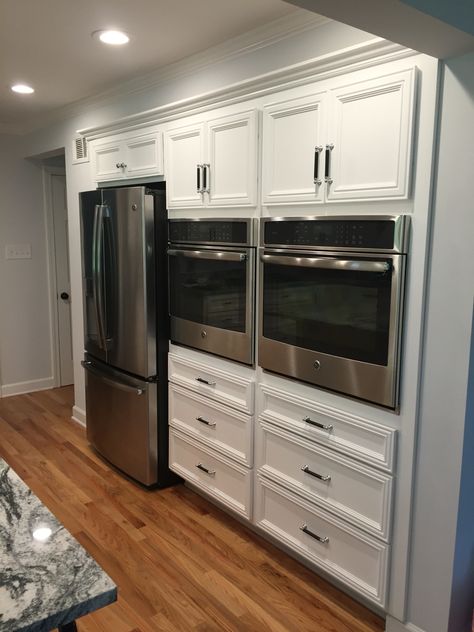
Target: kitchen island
[(47, 579)]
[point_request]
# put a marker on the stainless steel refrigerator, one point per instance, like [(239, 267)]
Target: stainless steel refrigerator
[(124, 235)]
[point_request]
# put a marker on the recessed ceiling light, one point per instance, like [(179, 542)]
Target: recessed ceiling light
[(22, 88), (116, 38)]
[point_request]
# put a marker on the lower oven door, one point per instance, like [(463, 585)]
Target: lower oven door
[(212, 300), (333, 321)]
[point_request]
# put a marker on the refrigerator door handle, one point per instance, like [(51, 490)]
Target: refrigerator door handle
[(111, 381), (97, 272)]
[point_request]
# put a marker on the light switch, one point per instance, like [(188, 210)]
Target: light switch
[(20, 251)]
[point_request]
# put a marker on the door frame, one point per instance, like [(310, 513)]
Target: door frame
[(48, 173)]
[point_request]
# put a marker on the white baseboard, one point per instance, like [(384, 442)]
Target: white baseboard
[(394, 625), (20, 388), (79, 415)]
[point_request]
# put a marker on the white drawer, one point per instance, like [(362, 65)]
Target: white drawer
[(348, 554), (227, 388), (352, 491), (360, 438), (218, 426), (219, 477)]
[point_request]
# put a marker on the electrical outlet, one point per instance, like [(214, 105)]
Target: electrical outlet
[(20, 251)]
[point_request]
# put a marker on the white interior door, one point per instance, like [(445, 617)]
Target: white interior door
[(63, 301)]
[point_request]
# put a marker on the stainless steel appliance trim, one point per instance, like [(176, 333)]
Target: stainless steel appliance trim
[(111, 381), (149, 266), (97, 273), (400, 237), (371, 382), (252, 231), (210, 255), (234, 345), (327, 263)]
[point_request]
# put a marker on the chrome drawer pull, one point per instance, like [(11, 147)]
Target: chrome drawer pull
[(203, 381), (204, 421), (201, 467), (321, 477), (304, 528), (308, 420)]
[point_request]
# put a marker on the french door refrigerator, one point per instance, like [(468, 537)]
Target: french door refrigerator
[(124, 235)]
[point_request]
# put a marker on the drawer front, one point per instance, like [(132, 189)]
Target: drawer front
[(352, 557), (218, 426), (359, 438), (211, 472), (352, 491), (220, 386)]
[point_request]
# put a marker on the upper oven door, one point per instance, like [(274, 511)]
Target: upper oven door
[(333, 320), (212, 300)]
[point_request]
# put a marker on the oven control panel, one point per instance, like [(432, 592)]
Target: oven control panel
[(224, 232), (343, 233)]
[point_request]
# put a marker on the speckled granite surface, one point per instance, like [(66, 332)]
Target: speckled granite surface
[(46, 577)]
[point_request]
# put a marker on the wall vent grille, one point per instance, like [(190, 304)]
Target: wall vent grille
[(80, 149)]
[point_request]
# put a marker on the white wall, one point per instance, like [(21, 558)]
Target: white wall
[(25, 343), (439, 581)]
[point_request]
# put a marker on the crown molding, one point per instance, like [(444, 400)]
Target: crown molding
[(358, 57), (298, 21)]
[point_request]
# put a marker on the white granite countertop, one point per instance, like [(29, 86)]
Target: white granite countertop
[(46, 577)]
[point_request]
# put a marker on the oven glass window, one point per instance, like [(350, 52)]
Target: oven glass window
[(339, 312), (209, 292)]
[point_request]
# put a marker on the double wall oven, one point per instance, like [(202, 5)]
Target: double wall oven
[(212, 285), (331, 302)]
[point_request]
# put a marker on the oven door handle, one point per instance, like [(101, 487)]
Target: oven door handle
[(327, 263), (210, 255)]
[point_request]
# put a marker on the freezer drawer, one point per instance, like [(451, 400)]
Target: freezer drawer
[(122, 421)]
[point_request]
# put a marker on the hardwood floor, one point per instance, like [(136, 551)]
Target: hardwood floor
[(179, 562)]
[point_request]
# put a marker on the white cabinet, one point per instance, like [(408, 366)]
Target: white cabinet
[(351, 142), (292, 153), (126, 156), (213, 163)]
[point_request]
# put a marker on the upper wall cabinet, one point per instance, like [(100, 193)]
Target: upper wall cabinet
[(352, 142), (128, 155), (213, 163)]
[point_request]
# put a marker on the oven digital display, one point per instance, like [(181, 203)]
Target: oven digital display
[(373, 234), (208, 232)]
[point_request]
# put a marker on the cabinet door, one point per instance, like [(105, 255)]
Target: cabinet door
[(184, 172), (371, 130), (106, 161), (232, 160), (144, 155), (293, 153)]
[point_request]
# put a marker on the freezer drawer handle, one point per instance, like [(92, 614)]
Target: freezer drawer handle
[(323, 540), (201, 467), (308, 420), (115, 383), (204, 421), (203, 381), (322, 477)]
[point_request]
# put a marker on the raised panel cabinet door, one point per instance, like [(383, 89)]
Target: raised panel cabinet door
[(184, 170), (293, 156), (231, 168), (106, 161), (144, 155), (370, 139)]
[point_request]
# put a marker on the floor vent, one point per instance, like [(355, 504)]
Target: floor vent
[(79, 150)]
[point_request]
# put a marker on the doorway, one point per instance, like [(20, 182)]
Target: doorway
[(59, 271)]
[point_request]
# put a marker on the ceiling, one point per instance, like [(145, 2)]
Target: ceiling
[(440, 28), (48, 44)]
